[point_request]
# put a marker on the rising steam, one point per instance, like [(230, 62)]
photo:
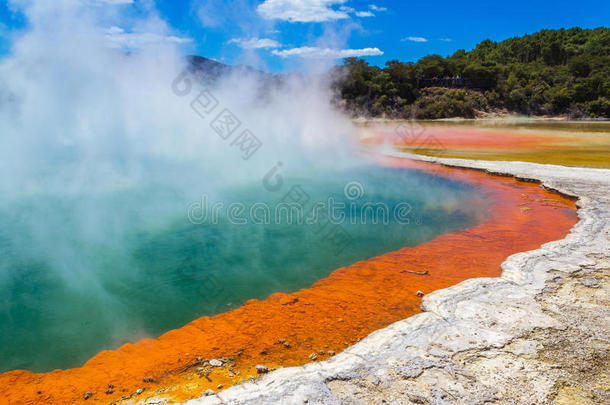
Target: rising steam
[(88, 113)]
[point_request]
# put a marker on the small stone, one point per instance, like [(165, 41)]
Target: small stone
[(419, 293), (260, 369), (313, 356), (215, 363), (109, 391), (139, 391), (590, 283), (110, 386), (219, 386), (38, 392), (148, 379), (209, 392), (321, 352), (263, 352), (340, 320), (331, 352), (418, 399), (287, 345), (288, 299), (281, 340), (87, 395)]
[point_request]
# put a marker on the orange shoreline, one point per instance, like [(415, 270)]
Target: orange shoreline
[(286, 329)]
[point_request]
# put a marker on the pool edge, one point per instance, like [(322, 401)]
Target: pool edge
[(429, 341)]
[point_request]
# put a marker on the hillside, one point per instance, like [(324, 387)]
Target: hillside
[(551, 72)]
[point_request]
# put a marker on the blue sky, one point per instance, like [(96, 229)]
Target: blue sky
[(283, 35)]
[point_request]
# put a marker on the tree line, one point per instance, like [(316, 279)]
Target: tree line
[(551, 72)]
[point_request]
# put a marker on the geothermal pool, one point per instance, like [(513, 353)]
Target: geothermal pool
[(89, 271), (283, 329)]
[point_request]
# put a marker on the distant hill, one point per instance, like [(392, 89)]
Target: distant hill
[(551, 72), (209, 69)]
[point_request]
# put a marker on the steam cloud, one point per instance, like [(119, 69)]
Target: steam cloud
[(87, 112)]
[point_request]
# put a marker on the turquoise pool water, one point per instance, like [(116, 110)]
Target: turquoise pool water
[(81, 273)]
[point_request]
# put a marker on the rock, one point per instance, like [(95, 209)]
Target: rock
[(87, 395), (148, 379), (419, 293), (281, 340), (209, 392), (418, 399), (590, 283), (288, 299), (287, 345), (263, 352), (215, 363), (414, 368), (109, 391), (219, 386), (331, 352), (260, 369), (139, 391), (321, 352), (313, 356)]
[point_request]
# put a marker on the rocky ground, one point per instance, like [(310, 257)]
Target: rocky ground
[(538, 334)]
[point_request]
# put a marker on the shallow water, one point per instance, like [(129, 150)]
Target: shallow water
[(84, 273)]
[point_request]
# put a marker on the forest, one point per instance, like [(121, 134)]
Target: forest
[(563, 72)]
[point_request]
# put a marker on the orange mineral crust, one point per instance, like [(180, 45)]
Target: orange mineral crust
[(314, 323)]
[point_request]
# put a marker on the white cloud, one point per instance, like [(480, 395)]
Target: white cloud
[(415, 39), (446, 39), (302, 10), (255, 43), (377, 8), (114, 30), (309, 52), (347, 9), (352, 10), (117, 37)]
